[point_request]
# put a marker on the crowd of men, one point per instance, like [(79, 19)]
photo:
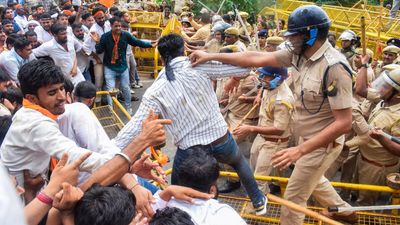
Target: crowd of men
[(274, 98)]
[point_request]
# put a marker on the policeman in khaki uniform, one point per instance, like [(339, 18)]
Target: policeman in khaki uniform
[(348, 40), (232, 38), (376, 159), (323, 90), (390, 54), (394, 42), (244, 16), (273, 131), (273, 43)]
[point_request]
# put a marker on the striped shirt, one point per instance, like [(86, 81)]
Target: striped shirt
[(189, 101)]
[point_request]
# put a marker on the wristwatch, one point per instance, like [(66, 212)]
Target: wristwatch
[(364, 65)]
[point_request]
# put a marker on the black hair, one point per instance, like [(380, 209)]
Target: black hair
[(113, 9), (124, 24), (67, 7), (199, 171), (121, 13), (76, 25), (85, 89), (86, 15), (14, 95), (227, 18), (20, 43), (5, 123), (39, 5), (39, 73), (33, 8), (11, 39), (114, 19), (44, 16), (6, 21), (205, 18), (61, 15), (171, 216), (30, 33), (56, 28), (71, 19), (225, 50), (5, 10), (283, 22), (170, 47), (105, 206), (4, 77), (68, 86), (96, 9)]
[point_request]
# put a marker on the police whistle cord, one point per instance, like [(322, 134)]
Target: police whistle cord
[(363, 208), (302, 209)]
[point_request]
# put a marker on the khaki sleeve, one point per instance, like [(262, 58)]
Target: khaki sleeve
[(373, 95), (340, 76), (284, 57), (395, 129), (282, 115)]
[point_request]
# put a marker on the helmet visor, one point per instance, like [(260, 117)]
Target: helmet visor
[(382, 84)]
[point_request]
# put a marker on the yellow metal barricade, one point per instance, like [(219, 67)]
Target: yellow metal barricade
[(148, 27)]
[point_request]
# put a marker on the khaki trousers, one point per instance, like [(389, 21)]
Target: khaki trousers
[(308, 179), (260, 159), (371, 174)]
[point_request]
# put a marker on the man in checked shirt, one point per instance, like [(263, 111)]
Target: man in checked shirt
[(185, 95)]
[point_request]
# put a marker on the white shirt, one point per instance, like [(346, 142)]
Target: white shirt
[(83, 59), (80, 125), (203, 212), (42, 35), (189, 101), (90, 45), (62, 58), (32, 139), (241, 46), (11, 62), (21, 21), (11, 207)]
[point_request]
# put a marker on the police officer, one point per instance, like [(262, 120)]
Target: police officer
[(378, 158), (244, 16), (390, 55), (323, 87), (273, 129), (232, 38), (395, 42), (273, 43), (348, 40)]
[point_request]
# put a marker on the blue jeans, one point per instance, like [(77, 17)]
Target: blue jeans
[(146, 184), (227, 152), (110, 77), (87, 75)]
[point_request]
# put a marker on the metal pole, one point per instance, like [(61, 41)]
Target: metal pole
[(205, 6), (363, 208), (220, 6)]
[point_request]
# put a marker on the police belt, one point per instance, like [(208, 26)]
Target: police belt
[(273, 139), (376, 163)]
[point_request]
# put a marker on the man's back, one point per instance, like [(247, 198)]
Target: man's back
[(189, 101)]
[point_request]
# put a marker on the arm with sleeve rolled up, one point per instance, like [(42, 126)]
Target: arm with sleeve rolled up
[(152, 134)]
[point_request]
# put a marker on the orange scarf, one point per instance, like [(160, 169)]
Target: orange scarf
[(27, 104), (114, 57)]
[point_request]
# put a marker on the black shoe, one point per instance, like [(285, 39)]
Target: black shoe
[(274, 189), (229, 186)]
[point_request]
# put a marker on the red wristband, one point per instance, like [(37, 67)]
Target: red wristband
[(44, 198)]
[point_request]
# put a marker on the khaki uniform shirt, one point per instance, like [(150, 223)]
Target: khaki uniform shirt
[(248, 27), (378, 70), (201, 35), (307, 81), (213, 46), (238, 108), (349, 54), (387, 118), (276, 110)]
